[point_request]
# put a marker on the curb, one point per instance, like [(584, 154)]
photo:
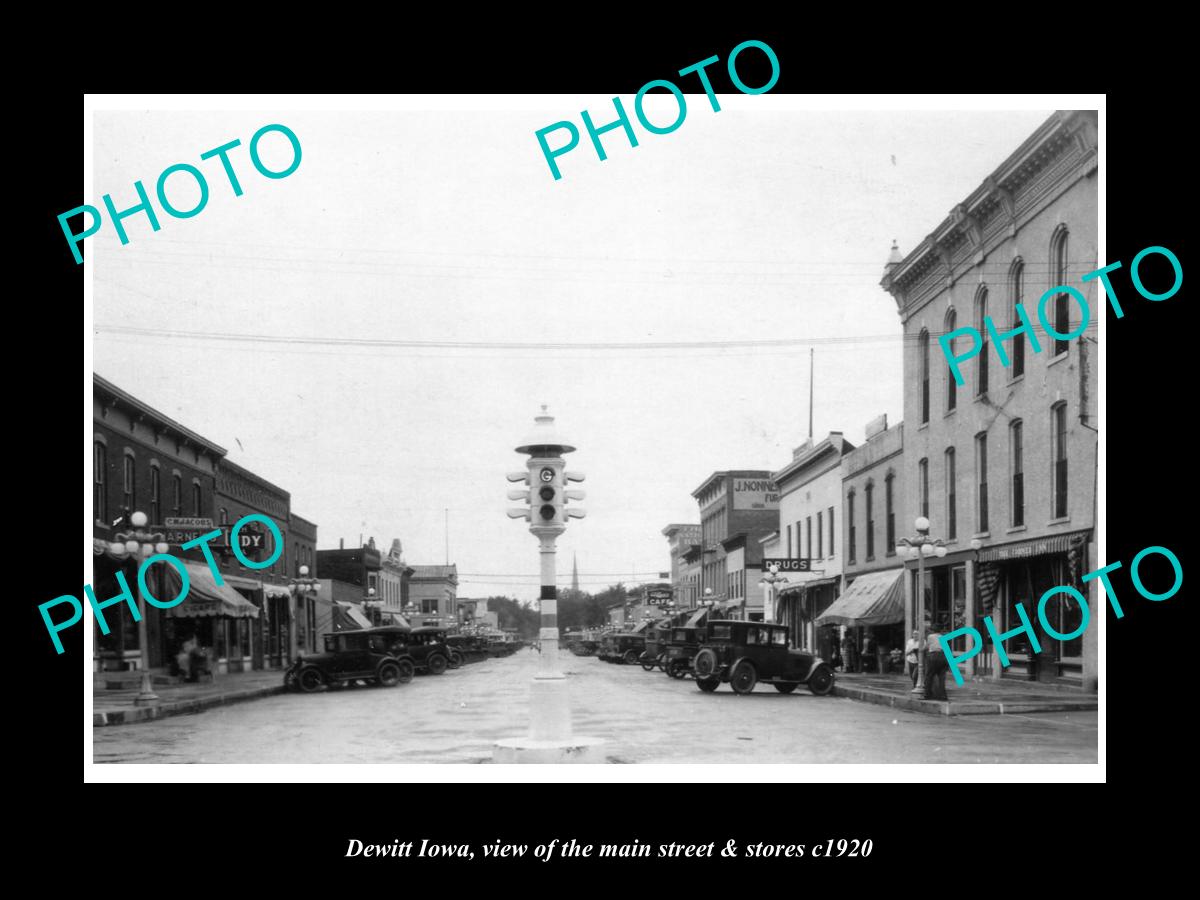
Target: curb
[(135, 714), (965, 707)]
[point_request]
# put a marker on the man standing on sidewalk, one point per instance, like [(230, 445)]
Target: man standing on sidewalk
[(911, 650), (936, 665)]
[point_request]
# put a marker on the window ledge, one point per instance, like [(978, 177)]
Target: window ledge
[(981, 398), (981, 534), (922, 426), (1063, 521), (1016, 528), (1054, 361), (1017, 379), (948, 413), (98, 523)]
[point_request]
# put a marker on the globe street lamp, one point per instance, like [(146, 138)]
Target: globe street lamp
[(143, 543), (303, 587), (372, 605), (768, 583), (919, 548)]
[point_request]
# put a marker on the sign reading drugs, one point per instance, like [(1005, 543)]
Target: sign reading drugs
[(788, 565), (755, 493)]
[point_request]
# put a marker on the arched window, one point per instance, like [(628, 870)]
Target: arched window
[(981, 311), (223, 515), (128, 486), (923, 350), (155, 494), (951, 384), (1062, 310), (177, 494), (951, 496), (1058, 450), (99, 476), (197, 499), (1016, 443), (1017, 351)]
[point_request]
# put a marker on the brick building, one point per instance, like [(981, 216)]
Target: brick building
[(1007, 459), (737, 508)]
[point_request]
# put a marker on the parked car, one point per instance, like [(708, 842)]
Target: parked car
[(349, 657), (426, 645), (683, 643), (622, 647), (655, 652), (745, 653), (468, 648)]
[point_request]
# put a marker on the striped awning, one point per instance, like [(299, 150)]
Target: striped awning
[(352, 617), (1058, 543), (876, 598), (793, 590), (205, 597)]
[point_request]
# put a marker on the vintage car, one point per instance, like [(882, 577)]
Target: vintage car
[(622, 647), (349, 657), (655, 652), (682, 644), (426, 645), (466, 648), (745, 653)]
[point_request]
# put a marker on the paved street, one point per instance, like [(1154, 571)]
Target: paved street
[(454, 718)]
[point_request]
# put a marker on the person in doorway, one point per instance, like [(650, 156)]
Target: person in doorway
[(850, 651), (911, 651), (936, 665), (835, 652)]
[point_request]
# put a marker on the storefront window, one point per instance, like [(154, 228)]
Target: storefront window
[(243, 636), (220, 644)]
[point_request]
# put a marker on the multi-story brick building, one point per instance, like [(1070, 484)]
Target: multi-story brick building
[(872, 599), (737, 508), (685, 570), (1008, 459), (432, 591), (303, 541), (144, 461)]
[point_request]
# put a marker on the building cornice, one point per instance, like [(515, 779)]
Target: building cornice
[(994, 211), (111, 395)]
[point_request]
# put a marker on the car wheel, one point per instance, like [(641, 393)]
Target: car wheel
[(389, 674), (708, 685), (705, 663), (437, 664), (310, 680), (821, 680), (406, 671), (630, 658), (661, 661), (786, 687), (647, 662), (456, 659), (743, 677)]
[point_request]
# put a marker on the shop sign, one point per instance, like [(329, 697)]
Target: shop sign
[(787, 565)]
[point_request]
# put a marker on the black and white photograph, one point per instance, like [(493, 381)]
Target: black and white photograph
[(728, 428)]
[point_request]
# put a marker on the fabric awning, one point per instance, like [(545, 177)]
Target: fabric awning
[(353, 615), (801, 586), (276, 590), (876, 598), (696, 618), (204, 597), (1059, 543), (392, 618)]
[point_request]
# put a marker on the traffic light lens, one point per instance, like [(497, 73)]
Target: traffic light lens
[(546, 512), (546, 493)]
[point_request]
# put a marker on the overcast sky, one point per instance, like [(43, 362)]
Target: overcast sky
[(749, 224)]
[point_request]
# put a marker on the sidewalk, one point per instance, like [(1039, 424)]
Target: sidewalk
[(972, 699), (116, 707)]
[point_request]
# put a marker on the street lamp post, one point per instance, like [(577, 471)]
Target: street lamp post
[(303, 587), (132, 543), (768, 583), (919, 548), (371, 605)]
